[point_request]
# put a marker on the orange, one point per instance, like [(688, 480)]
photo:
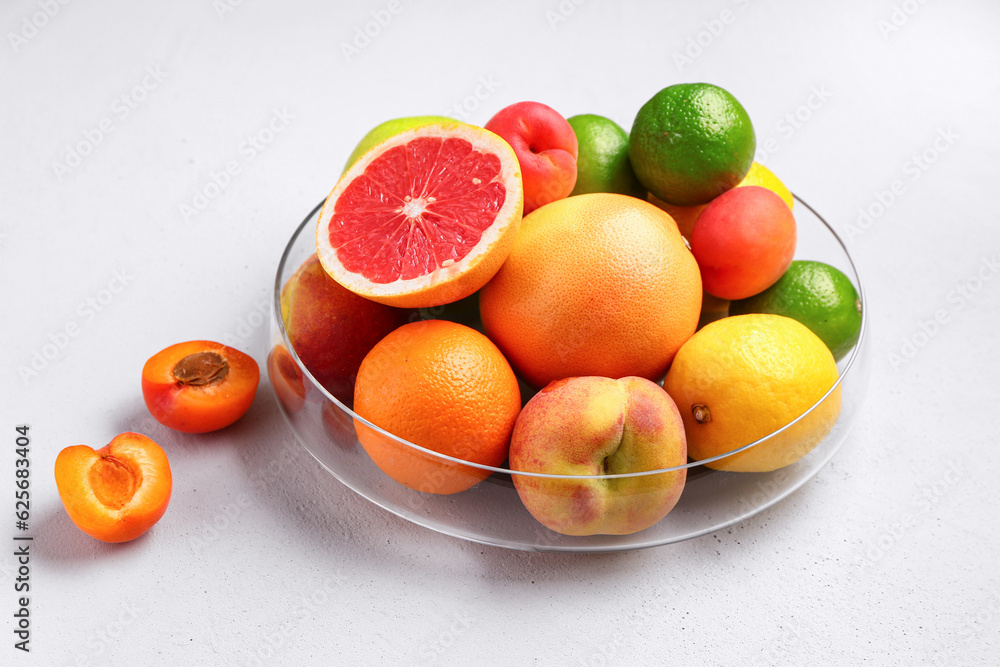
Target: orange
[(444, 387), (596, 284), (742, 378), (424, 218)]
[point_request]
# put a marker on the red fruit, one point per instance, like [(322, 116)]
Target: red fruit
[(743, 242), (331, 328), (546, 149)]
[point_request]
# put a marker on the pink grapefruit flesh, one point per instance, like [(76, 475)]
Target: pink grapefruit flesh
[(424, 218)]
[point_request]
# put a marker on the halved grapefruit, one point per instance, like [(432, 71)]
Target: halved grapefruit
[(424, 218)]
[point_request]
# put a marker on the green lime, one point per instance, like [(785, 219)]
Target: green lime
[(817, 295), (391, 128), (602, 164), (690, 143)]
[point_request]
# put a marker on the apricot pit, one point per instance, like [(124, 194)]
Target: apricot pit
[(201, 368)]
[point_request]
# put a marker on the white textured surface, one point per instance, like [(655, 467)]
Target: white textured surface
[(884, 558)]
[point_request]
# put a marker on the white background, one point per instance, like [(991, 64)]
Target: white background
[(888, 556)]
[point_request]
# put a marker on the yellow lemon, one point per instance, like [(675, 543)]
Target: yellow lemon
[(744, 377)]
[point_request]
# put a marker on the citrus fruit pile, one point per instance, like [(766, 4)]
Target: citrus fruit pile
[(629, 303)]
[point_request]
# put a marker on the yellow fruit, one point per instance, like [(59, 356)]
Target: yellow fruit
[(764, 177), (741, 378)]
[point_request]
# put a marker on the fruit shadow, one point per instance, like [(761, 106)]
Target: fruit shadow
[(63, 546), (299, 505), (331, 517), (284, 498), (313, 510), (673, 565)]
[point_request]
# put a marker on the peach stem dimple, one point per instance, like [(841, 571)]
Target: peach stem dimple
[(113, 482)]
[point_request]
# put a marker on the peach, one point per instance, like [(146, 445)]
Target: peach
[(331, 328), (599, 426), (743, 241), (546, 149)]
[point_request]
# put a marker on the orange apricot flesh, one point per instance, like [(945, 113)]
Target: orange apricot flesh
[(118, 492), (199, 386)]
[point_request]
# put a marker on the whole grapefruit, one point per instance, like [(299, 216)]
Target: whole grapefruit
[(596, 284)]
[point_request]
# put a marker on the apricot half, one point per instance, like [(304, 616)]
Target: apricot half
[(115, 493), (199, 386)]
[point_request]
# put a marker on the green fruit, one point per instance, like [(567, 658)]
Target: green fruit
[(391, 128), (602, 164), (690, 143), (817, 295)]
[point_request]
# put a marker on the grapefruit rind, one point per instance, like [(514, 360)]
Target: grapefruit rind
[(444, 284)]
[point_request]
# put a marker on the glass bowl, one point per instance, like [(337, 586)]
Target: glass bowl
[(491, 512)]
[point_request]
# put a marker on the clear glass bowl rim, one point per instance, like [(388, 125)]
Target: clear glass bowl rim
[(276, 306)]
